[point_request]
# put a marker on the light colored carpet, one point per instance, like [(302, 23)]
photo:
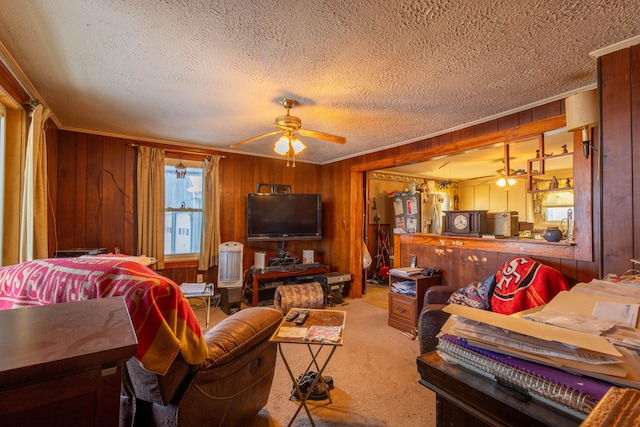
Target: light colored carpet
[(377, 294), (375, 376)]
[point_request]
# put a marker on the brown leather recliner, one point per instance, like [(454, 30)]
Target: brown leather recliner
[(232, 364), (228, 389)]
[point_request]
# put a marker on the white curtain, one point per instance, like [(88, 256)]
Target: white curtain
[(33, 215), (210, 239), (3, 143), (150, 195)]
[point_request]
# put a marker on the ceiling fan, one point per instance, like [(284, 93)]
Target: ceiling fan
[(500, 178), (289, 145), (503, 179)]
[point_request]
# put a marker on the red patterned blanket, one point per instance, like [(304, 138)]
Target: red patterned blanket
[(161, 316)]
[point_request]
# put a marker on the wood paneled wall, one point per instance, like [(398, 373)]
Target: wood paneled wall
[(92, 180), (620, 154), (239, 176), (461, 266), (94, 198)]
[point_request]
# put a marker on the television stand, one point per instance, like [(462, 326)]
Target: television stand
[(298, 272)]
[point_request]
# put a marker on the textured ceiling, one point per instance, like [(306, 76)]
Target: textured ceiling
[(378, 72)]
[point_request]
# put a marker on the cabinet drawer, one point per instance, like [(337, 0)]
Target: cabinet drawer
[(402, 308)]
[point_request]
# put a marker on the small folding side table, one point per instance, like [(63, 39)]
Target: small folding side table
[(204, 291), (323, 328)]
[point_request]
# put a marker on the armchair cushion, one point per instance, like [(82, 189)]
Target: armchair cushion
[(237, 333), (475, 294), (523, 283)]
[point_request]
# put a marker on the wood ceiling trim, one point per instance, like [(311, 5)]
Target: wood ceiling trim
[(12, 87)]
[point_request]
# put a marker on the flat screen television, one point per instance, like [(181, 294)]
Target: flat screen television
[(284, 216)]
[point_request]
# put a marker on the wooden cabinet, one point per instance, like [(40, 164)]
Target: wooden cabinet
[(404, 307), (61, 364)]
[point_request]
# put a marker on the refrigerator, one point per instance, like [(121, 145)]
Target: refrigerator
[(407, 211), (420, 212)]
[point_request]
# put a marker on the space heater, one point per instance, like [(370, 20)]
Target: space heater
[(230, 276)]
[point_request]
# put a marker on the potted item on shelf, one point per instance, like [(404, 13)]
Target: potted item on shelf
[(552, 234)]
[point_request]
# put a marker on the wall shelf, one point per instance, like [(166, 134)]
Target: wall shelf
[(536, 168)]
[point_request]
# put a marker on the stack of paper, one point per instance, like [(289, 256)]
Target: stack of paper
[(585, 331), (405, 271)]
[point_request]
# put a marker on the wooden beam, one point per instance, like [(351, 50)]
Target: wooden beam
[(518, 132)]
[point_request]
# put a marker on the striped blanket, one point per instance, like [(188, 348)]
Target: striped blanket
[(164, 322)]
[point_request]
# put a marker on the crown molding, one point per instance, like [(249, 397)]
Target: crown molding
[(616, 46)]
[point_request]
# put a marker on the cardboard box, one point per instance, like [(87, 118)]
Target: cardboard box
[(503, 223)]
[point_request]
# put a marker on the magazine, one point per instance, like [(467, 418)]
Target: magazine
[(324, 334)]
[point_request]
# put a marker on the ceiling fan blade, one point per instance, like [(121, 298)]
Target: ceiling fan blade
[(487, 179), (254, 138), (323, 136)]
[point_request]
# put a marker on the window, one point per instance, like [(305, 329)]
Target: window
[(555, 206), (183, 210)]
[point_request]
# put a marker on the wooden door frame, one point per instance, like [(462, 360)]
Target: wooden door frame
[(358, 173)]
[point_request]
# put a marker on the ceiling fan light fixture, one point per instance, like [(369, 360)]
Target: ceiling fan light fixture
[(297, 145), (288, 126), (282, 145), (503, 182)]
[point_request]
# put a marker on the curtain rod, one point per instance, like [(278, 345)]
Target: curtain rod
[(178, 150)]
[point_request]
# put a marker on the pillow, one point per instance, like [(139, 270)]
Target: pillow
[(523, 283), (476, 294)]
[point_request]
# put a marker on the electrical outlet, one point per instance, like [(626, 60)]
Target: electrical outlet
[(200, 278)]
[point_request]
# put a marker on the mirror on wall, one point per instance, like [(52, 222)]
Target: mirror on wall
[(530, 179)]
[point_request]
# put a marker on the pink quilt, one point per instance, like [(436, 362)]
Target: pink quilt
[(164, 322)]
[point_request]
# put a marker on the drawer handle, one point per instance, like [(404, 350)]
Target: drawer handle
[(401, 310)]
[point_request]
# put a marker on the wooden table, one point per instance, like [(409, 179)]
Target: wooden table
[(61, 364), (464, 398)]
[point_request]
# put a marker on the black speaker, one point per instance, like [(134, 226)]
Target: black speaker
[(230, 299)]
